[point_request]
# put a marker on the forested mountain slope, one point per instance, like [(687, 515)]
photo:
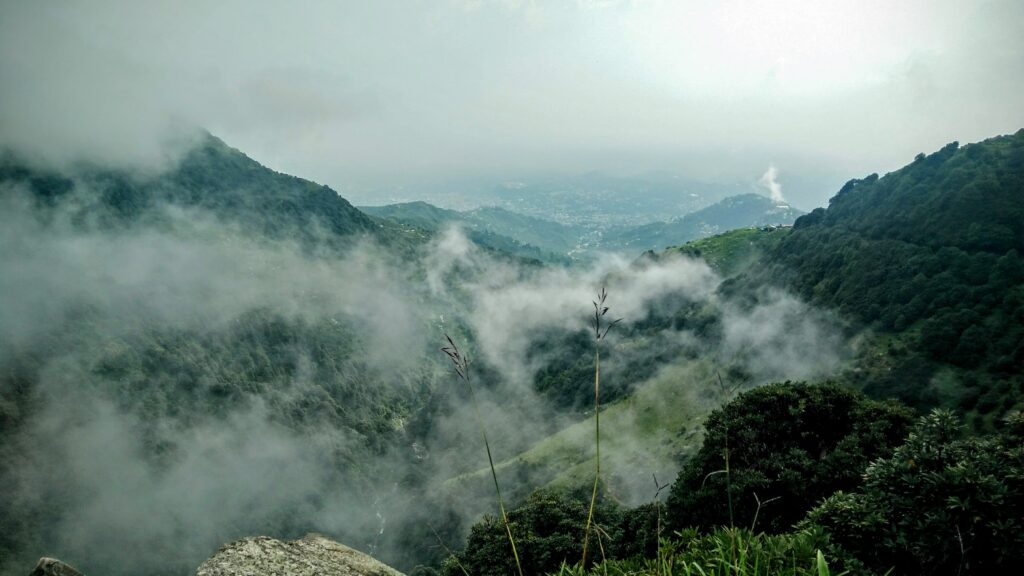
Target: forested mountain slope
[(215, 179), (165, 338), (929, 258)]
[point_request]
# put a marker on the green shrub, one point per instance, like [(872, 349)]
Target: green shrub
[(798, 443), (941, 504), (641, 529), (548, 530)]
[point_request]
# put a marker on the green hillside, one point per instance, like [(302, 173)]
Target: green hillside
[(733, 251), (215, 180), (422, 214), (545, 234), (646, 434), (928, 258)]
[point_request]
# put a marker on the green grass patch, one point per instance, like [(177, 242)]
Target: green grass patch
[(732, 251), (648, 433)]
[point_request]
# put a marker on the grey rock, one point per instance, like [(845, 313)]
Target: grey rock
[(313, 555), (53, 567)]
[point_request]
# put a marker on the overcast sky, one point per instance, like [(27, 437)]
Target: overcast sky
[(388, 93)]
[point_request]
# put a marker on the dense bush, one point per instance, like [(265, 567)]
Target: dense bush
[(548, 529), (795, 442), (941, 504)]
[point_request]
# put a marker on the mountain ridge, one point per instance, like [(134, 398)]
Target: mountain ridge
[(729, 213), (213, 177), (496, 222)]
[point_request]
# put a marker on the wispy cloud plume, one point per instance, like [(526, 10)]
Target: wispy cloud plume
[(770, 181)]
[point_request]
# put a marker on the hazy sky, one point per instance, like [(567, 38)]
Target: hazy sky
[(386, 93)]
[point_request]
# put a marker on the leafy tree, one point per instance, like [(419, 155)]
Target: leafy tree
[(941, 504), (642, 529), (794, 442)]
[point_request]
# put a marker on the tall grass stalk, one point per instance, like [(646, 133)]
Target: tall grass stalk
[(600, 332), (726, 393), (461, 364), (728, 481), (657, 503), (597, 434)]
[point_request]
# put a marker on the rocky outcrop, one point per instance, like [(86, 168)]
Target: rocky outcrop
[(313, 555), (52, 567)]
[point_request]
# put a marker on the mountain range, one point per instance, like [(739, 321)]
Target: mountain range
[(537, 237), (223, 350)]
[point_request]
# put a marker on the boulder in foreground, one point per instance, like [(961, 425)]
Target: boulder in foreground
[(313, 555), (53, 567)]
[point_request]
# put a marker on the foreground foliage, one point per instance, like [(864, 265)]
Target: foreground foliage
[(796, 443), (941, 504), (725, 552), (549, 528)]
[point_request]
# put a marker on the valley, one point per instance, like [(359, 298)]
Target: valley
[(224, 309), (511, 288)]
